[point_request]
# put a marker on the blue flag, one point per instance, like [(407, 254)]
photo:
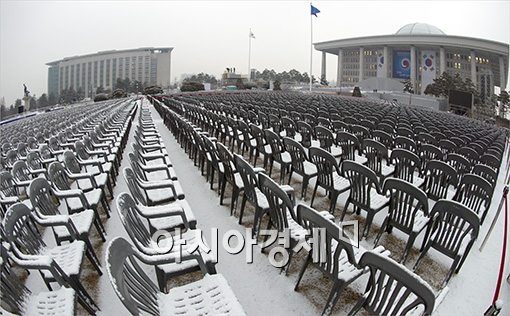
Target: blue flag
[(314, 10)]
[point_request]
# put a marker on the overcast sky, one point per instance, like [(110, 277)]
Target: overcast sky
[(209, 36)]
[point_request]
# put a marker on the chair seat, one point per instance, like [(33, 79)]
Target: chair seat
[(450, 193), (336, 151), (158, 196), (348, 272), (387, 170), (238, 180), (93, 198), (297, 232), (377, 200), (57, 302), (261, 199), (420, 221), (310, 169), (417, 181), (286, 158), (267, 149), (360, 159), (68, 256), (340, 183), (209, 296), (82, 221), (101, 180)]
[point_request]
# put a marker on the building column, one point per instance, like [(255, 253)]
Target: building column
[(442, 60), (413, 67), (385, 64), (502, 74), (323, 66), (361, 63), (340, 68), (473, 68)]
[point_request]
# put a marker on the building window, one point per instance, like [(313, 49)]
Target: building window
[(101, 73), (107, 76), (95, 74)]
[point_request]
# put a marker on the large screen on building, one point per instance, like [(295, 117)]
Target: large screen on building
[(401, 64)]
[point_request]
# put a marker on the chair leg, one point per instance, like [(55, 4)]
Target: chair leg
[(314, 192), (422, 254), (235, 196), (409, 245), (345, 208), (161, 279), (243, 204), (222, 190), (91, 255), (381, 230), (303, 269), (334, 295), (334, 198)]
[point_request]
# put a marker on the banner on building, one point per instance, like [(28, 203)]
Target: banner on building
[(380, 64), (401, 64), (428, 68)]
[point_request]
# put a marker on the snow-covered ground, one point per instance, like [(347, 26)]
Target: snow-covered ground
[(262, 289)]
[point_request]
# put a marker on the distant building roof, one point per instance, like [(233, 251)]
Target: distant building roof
[(419, 28)]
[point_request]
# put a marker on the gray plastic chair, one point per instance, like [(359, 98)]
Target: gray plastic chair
[(165, 263), (341, 258), (392, 289), (406, 164), (141, 296), (408, 211), (20, 300), (60, 264), (365, 192), (300, 163), (476, 193), (452, 231), (440, 180), (230, 175)]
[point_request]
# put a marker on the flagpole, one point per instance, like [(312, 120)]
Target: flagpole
[(249, 56), (311, 48)]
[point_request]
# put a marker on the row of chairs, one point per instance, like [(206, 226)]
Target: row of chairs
[(155, 205), (278, 204), (65, 179)]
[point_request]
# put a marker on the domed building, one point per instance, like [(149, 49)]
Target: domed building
[(418, 52)]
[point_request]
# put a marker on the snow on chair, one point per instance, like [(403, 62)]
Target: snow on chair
[(59, 264), (167, 263), (20, 300), (392, 289), (210, 295)]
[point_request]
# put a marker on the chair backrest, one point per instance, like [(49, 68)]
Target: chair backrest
[(470, 154), (42, 198), (486, 172), (453, 222), (11, 157), (71, 162), (309, 218), (134, 187), (383, 137), (362, 180), (376, 154), (290, 126), (326, 165), (275, 142), (325, 137), (58, 176), (248, 176), (7, 187), (135, 165), (475, 192), (491, 161), (131, 219), (259, 136), (21, 233), (20, 171), (133, 287), (405, 143), (297, 153), (81, 151), (279, 202), (439, 176), (227, 160), (392, 289), (34, 161), (45, 152), (349, 144), (447, 146), (405, 201), (406, 162), (429, 152), (460, 163), (306, 132)]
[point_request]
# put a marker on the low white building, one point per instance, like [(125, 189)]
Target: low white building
[(148, 65), (420, 53)]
